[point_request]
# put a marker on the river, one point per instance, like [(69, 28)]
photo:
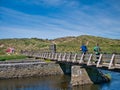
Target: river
[(57, 82)]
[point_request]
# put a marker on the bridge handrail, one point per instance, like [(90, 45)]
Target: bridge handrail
[(89, 59)]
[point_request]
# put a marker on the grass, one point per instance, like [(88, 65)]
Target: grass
[(65, 44), (11, 57), (47, 60)]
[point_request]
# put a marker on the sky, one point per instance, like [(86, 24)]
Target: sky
[(50, 19)]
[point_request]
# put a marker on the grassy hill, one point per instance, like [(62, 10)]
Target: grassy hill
[(107, 45), (23, 44), (65, 44)]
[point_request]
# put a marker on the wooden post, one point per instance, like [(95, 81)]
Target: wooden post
[(64, 57), (90, 58), (56, 55), (52, 56), (68, 59), (59, 58), (74, 58), (99, 60), (46, 56), (111, 61), (49, 55), (43, 55), (81, 59)]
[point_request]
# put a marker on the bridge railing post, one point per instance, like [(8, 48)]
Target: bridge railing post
[(46, 56), (64, 57), (81, 59), (89, 60), (99, 60), (69, 57), (112, 61), (52, 56), (59, 57), (74, 59), (56, 56), (31, 54), (41, 55), (49, 56)]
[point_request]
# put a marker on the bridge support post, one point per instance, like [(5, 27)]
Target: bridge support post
[(79, 76)]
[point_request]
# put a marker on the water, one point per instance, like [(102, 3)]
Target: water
[(58, 82)]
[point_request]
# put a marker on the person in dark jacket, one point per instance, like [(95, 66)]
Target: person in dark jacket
[(84, 49)]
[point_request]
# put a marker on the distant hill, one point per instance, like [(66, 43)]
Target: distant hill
[(64, 44), (23, 44), (107, 45)]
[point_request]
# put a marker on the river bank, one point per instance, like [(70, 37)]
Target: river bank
[(28, 68)]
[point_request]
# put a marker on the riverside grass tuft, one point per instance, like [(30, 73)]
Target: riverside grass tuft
[(11, 57)]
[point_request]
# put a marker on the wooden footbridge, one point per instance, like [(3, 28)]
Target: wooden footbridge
[(107, 61)]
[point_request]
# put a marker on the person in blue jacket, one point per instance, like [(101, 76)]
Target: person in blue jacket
[(83, 48)]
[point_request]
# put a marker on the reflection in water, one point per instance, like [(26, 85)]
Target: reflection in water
[(58, 82)]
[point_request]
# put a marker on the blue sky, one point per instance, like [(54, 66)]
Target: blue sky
[(49, 19)]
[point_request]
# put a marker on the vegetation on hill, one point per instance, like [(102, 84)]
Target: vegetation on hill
[(107, 45), (23, 44), (65, 44)]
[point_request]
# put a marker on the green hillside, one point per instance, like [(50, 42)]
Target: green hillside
[(23, 44), (107, 45), (65, 44)]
